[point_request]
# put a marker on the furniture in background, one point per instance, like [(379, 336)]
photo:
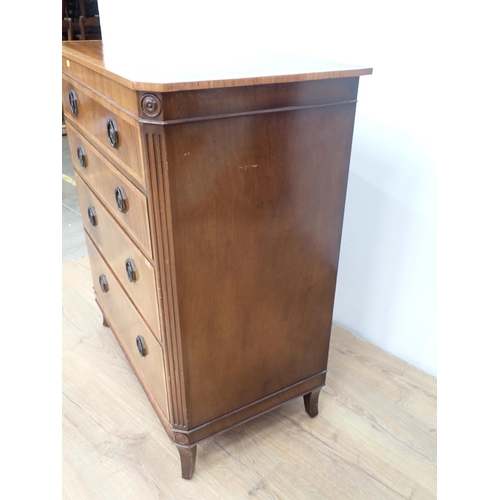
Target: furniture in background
[(80, 20), (90, 27), (213, 215), (87, 27), (68, 25)]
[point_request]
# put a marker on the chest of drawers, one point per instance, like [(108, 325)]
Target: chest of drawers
[(213, 211)]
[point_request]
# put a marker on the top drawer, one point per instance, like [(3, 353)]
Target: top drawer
[(112, 131)]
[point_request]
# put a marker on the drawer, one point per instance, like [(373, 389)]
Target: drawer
[(113, 188), (109, 129), (128, 326), (134, 272)]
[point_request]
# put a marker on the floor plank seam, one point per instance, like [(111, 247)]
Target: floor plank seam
[(336, 453), (75, 326), (262, 485), (72, 209), (88, 415), (164, 443), (140, 422), (374, 422), (234, 458)]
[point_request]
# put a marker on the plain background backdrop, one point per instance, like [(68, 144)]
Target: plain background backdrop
[(386, 289)]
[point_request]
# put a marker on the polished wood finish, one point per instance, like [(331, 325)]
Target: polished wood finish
[(374, 438), (255, 409), (188, 461), (104, 178), (126, 324), (264, 68), (113, 242), (311, 402), (257, 230), (92, 119), (243, 191), (102, 86), (252, 99)]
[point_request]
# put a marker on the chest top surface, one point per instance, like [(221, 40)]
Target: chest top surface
[(178, 72)]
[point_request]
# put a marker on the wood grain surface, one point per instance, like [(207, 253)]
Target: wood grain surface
[(374, 437), (122, 317), (91, 120), (257, 205), (123, 97), (172, 74), (117, 247), (104, 178)]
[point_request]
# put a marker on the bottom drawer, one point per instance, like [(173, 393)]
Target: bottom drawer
[(128, 326)]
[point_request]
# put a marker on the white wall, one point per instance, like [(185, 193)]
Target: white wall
[(386, 291)]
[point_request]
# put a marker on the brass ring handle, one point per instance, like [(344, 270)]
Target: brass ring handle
[(141, 345), (73, 102), (131, 272), (121, 199), (80, 153), (103, 283), (112, 133), (92, 216)]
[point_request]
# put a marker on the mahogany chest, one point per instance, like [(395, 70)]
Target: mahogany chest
[(212, 210)]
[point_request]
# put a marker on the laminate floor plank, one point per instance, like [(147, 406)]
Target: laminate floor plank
[(361, 443), (382, 411), (75, 486), (411, 389), (308, 466), (374, 437), (73, 239), (67, 164)]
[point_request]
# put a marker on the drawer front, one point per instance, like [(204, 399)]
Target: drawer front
[(127, 326), (100, 123), (121, 95), (118, 250), (119, 195)]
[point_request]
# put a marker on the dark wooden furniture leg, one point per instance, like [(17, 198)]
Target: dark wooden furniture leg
[(311, 402), (188, 461)]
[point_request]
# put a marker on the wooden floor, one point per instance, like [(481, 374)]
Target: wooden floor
[(374, 437)]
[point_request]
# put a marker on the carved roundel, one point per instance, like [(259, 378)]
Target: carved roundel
[(181, 438), (151, 105)]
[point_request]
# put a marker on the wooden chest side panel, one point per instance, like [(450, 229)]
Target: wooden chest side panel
[(210, 102), (257, 205)]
